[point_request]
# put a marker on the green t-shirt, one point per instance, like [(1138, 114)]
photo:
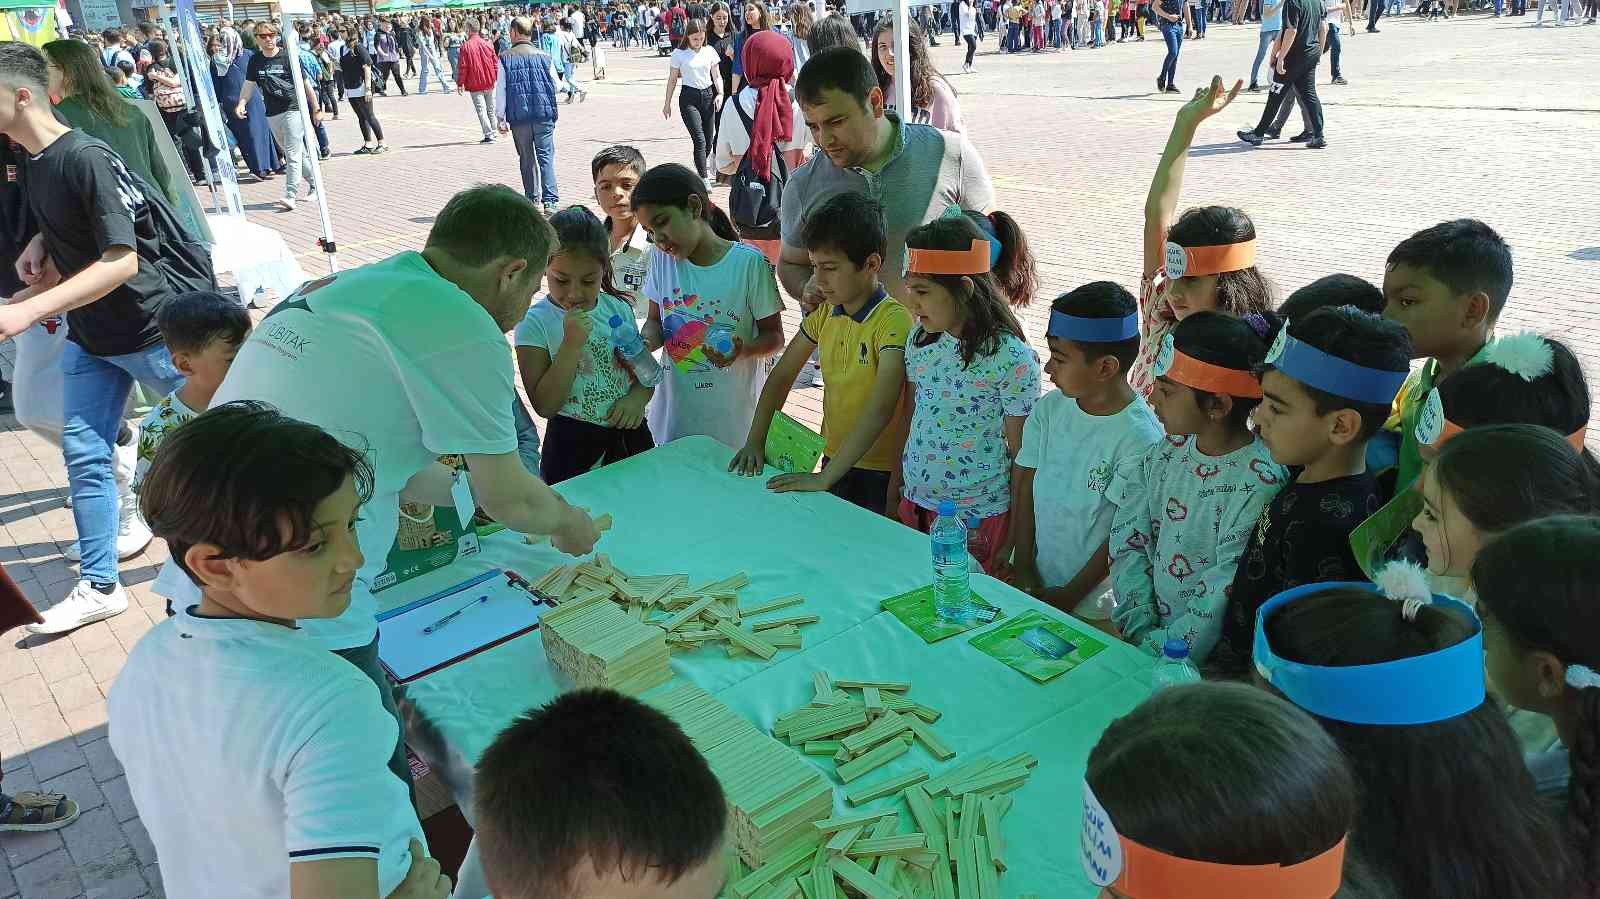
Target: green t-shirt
[(1415, 393), (134, 140)]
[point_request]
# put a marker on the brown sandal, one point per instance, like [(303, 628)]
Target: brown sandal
[(33, 811)]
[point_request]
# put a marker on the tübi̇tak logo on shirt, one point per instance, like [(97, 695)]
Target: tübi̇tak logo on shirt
[(285, 336)]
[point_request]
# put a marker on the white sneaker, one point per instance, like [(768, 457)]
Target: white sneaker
[(286, 204), (84, 605), (309, 198)]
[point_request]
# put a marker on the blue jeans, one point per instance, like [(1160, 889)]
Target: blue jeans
[(430, 63), (570, 76), (94, 395), (1094, 32), (536, 155), (1334, 47), (1172, 33), (1267, 37), (1199, 19), (527, 437), (1013, 31)]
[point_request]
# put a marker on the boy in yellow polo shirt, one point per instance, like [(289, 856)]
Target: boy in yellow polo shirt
[(862, 332)]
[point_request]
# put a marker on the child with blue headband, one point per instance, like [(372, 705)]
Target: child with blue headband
[(1073, 442), (1328, 381)]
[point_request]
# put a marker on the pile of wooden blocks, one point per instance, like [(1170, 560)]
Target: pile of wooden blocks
[(861, 733), (596, 644), (955, 847), (773, 794), (690, 617)]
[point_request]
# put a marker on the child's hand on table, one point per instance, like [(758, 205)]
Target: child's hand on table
[(798, 483), (749, 461)]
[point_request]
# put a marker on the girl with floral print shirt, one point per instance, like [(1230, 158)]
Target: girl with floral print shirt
[(974, 380), (1205, 261)]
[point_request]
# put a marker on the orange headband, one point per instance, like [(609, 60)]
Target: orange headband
[(974, 260), (1214, 260), (1433, 429), (1451, 429), (1148, 874), (1191, 372)]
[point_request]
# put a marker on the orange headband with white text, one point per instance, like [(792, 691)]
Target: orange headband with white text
[(1433, 429), (975, 260), (1214, 260), (1191, 372)]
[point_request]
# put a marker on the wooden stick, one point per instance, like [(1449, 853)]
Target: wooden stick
[(781, 622), (928, 821), (679, 619), (760, 877), (873, 760), (820, 747), (888, 686), (822, 688), (841, 840), (991, 828), (885, 728), (932, 741), (872, 698), (855, 819), (864, 881), (772, 605), (862, 793), (961, 772), (745, 640), (900, 844), (988, 874)]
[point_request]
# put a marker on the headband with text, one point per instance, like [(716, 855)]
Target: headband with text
[(1175, 365), (1434, 430), (1331, 374), (1214, 260)]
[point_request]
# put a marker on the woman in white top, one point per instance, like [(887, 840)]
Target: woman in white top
[(967, 22), (695, 65)]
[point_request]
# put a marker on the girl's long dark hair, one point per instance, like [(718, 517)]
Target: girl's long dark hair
[(922, 70), (1539, 585), (80, 63), (1016, 271), (988, 317), (1238, 293), (1502, 475), (579, 231), (1448, 808), (672, 184)]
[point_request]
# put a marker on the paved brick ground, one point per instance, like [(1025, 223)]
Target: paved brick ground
[(1483, 117)]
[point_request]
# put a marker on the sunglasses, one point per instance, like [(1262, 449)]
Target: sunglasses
[(263, 35)]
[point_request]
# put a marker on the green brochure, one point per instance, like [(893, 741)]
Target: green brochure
[(1371, 539), (1039, 646), (915, 611), (793, 447)]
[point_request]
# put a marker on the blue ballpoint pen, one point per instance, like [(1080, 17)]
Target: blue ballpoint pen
[(452, 616)]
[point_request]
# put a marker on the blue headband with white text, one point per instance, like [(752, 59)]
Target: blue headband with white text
[(1331, 374), (1421, 689), (1093, 330)]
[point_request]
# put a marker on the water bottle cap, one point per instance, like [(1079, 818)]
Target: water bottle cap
[(616, 321), (1175, 649), (947, 507)]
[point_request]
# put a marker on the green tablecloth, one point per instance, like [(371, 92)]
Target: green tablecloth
[(678, 511)]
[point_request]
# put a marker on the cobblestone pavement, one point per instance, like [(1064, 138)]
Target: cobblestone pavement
[(1473, 117)]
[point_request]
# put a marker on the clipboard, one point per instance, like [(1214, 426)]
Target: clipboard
[(409, 652)]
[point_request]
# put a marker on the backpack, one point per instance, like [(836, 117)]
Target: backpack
[(275, 87), (753, 203)]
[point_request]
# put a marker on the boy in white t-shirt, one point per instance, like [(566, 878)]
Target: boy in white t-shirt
[(258, 759), (1071, 446)]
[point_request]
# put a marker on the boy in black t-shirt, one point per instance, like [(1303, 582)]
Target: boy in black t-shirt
[(1294, 65), (269, 71), (119, 254), (1328, 382)]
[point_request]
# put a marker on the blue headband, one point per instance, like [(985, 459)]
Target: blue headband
[(984, 225), (1417, 690), (1340, 377), (1093, 330)]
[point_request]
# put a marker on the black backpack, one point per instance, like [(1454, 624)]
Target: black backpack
[(754, 203)]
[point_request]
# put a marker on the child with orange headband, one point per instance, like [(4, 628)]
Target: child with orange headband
[(973, 378), (1175, 801), (1185, 507), (1203, 261)]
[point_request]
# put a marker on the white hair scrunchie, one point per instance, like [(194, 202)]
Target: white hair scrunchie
[(1581, 677), (1405, 583)]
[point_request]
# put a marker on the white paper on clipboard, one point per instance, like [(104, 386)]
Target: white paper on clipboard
[(408, 651)]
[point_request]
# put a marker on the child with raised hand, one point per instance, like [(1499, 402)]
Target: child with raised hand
[(203, 330), (1446, 286), (290, 741), (1537, 594), (974, 380), (1073, 442), (1219, 786), (1489, 479), (1206, 259), (1328, 382), (1185, 507), (714, 306), (861, 333), (571, 368), (1397, 678), (598, 794)]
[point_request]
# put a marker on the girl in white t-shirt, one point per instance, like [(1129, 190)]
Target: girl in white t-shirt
[(714, 305), (570, 364), (696, 66)]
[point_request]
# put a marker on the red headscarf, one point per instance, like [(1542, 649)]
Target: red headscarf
[(768, 66)]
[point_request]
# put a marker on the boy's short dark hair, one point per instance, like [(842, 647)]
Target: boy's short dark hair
[(190, 321), (246, 478), (1465, 255), (851, 223), (837, 68), (598, 778), (491, 221), (1333, 291), (1101, 299), (616, 154), (22, 65), (1367, 340)]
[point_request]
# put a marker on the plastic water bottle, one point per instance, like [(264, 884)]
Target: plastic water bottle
[(952, 595), (631, 346), (721, 340), (1174, 667)]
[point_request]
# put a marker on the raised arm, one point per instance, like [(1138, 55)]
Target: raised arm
[(1160, 206)]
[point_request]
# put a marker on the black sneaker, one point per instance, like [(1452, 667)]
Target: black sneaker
[(1271, 134), (1173, 89), (1300, 138), (1251, 138), (1161, 86), (1254, 88), (6, 405), (379, 149), (487, 140), (1316, 143), (1340, 80), (363, 151)]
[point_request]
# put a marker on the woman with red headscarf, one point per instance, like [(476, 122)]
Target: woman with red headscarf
[(775, 124)]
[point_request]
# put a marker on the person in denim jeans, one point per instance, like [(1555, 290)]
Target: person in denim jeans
[(1271, 24), (1170, 14), (527, 111)]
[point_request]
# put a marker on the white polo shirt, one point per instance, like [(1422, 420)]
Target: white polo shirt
[(249, 748), (394, 361)]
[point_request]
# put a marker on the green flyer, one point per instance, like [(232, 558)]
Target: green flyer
[(1371, 539), (915, 611), (793, 447), (1039, 646)]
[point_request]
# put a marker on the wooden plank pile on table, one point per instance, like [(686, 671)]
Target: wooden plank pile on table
[(861, 734), (690, 617), (597, 645), (773, 795)]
